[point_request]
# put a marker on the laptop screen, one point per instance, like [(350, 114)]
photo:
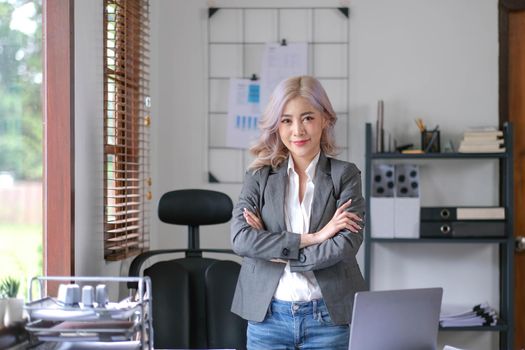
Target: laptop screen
[(396, 319)]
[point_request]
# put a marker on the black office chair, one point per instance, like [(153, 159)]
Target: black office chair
[(191, 296)]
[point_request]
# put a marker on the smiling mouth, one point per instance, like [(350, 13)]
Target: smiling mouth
[(300, 143)]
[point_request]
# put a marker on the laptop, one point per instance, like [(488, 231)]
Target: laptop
[(396, 319)]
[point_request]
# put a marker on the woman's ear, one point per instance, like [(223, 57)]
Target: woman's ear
[(326, 120)]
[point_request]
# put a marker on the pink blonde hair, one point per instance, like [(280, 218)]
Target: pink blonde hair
[(269, 149)]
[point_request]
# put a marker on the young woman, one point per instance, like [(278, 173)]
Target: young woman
[(298, 226)]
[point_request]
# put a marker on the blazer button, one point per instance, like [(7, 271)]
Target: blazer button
[(285, 251), (302, 258)]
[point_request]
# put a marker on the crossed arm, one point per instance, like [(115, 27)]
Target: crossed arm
[(339, 238), (341, 220)]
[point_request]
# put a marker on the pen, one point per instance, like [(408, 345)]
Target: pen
[(420, 124)]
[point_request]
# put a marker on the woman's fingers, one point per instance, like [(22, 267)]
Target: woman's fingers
[(343, 207), (253, 223), (350, 215), (251, 214), (346, 223), (352, 226), (252, 219), (279, 261), (248, 213)]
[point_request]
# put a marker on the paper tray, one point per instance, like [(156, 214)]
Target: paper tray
[(118, 325), (73, 331), (50, 310)]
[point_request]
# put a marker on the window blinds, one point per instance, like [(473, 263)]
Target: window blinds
[(127, 183)]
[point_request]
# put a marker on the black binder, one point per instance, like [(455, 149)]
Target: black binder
[(435, 229), (462, 229), (461, 213), (438, 213)]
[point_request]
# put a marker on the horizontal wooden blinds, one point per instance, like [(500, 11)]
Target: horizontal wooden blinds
[(127, 179)]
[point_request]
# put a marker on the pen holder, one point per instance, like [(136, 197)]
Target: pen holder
[(430, 141)]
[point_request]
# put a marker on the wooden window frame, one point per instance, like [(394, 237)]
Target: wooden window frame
[(504, 8), (59, 140)]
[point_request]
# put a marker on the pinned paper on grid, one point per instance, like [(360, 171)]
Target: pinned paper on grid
[(382, 201), (243, 113), (280, 62)]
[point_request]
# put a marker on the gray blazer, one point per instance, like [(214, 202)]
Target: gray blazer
[(333, 261)]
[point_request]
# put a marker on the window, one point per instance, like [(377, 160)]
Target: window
[(126, 121), (20, 141)]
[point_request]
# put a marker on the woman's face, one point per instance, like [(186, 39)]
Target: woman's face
[(300, 129)]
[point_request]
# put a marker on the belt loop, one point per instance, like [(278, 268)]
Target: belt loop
[(270, 308), (314, 306)]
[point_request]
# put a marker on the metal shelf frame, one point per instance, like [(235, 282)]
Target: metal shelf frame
[(506, 243), (243, 43)]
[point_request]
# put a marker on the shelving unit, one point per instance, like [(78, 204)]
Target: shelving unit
[(505, 244)]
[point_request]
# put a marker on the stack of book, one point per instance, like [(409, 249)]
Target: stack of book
[(479, 315), (482, 140)]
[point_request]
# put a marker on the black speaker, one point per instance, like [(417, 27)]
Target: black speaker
[(383, 180), (407, 180)]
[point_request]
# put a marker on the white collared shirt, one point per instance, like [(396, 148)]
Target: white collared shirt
[(298, 286)]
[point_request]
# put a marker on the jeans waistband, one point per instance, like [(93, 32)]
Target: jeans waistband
[(297, 307)]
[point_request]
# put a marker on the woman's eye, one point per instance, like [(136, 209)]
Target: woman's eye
[(285, 121), (308, 118)]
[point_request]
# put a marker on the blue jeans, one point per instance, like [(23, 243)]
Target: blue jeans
[(297, 325)]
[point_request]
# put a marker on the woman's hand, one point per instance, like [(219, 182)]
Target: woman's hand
[(341, 220), (253, 219)]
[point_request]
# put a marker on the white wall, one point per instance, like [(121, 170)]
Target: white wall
[(89, 252), (89, 255), (425, 58)]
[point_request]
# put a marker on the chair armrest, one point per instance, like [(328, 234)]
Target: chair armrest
[(136, 264), (138, 261)]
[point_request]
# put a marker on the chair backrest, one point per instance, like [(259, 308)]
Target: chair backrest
[(223, 326), (192, 295), (195, 208)]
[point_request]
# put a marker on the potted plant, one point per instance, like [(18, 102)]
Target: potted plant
[(3, 306), (14, 311)]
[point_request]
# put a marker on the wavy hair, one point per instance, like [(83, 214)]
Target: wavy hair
[(269, 149)]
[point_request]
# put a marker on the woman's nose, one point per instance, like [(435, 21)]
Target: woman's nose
[(298, 128)]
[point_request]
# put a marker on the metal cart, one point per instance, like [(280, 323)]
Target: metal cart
[(126, 324)]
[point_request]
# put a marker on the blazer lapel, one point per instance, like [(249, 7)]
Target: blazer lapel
[(322, 191), (275, 189)]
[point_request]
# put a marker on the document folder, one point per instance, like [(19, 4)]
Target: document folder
[(462, 229), (462, 213)]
